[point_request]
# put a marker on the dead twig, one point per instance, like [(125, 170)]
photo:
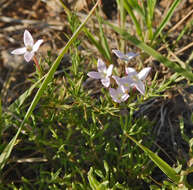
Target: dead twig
[(181, 21), (38, 24)]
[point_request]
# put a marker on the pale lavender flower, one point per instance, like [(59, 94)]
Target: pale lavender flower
[(124, 83), (30, 48), (118, 95), (103, 73), (125, 57), (136, 79)]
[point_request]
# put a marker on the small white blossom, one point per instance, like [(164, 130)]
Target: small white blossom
[(118, 95), (136, 79), (124, 57), (103, 73), (30, 48)]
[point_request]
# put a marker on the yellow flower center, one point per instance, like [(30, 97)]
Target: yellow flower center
[(119, 96), (126, 84), (103, 75), (135, 78)]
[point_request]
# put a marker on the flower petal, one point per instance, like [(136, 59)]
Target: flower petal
[(27, 38), (94, 75), (113, 92), (120, 55), (28, 56), (106, 82), (19, 51), (140, 87), (130, 70), (114, 95), (124, 97), (117, 79), (109, 70), (101, 66), (125, 83), (125, 57), (126, 79), (37, 45), (131, 55), (118, 95), (143, 73)]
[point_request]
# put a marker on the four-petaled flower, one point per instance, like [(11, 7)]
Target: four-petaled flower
[(103, 73), (124, 57), (135, 79), (118, 95), (30, 48), (124, 83)]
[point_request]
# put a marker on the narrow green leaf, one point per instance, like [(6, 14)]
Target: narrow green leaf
[(169, 171), (137, 7), (104, 40), (92, 181), (166, 19), (18, 102), (97, 44), (149, 16), (122, 13), (151, 6), (7, 151), (134, 19), (67, 11)]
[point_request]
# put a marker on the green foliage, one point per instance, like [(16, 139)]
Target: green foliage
[(76, 137), (6, 153)]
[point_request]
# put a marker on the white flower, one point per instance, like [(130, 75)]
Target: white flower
[(118, 95), (124, 83), (136, 79), (30, 48), (103, 73), (124, 57)]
